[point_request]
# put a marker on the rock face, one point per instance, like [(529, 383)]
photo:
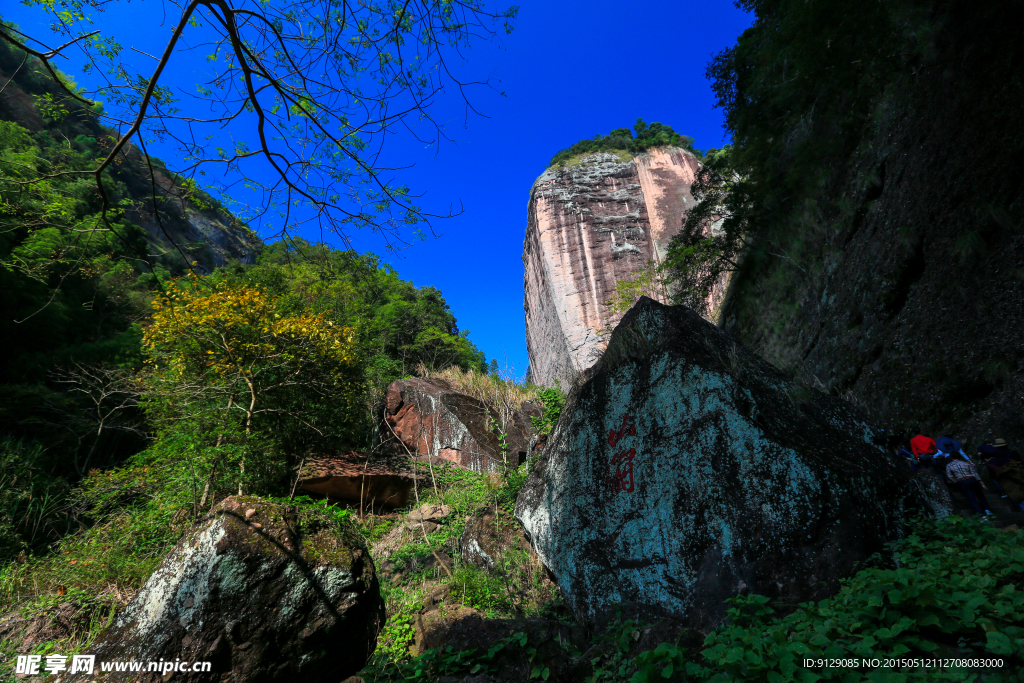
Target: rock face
[(489, 535), (589, 226), (434, 422), (686, 469), (263, 591), (356, 478), (913, 234)]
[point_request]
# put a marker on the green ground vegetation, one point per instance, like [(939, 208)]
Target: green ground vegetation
[(80, 415), (950, 591), (514, 586)]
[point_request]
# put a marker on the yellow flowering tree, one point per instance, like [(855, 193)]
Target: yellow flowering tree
[(221, 357)]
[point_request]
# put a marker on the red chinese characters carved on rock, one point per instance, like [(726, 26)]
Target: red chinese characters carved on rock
[(627, 429), (621, 478)]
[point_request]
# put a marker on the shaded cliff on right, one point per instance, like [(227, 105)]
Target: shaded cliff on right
[(874, 197)]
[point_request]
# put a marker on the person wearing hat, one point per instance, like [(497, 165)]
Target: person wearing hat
[(1003, 449)]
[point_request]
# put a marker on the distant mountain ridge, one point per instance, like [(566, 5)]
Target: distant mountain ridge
[(181, 224)]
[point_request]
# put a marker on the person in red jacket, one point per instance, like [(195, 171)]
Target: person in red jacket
[(923, 447)]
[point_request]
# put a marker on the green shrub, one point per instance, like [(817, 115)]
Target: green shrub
[(31, 500), (553, 400), (953, 591), (654, 135)]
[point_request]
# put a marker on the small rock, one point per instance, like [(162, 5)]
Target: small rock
[(249, 513), (428, 527), (430, 562), (429, 512), (434, 597), (486, 539)]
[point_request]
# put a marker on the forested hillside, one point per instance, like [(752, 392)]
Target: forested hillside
[(76, 275), (84, 384)]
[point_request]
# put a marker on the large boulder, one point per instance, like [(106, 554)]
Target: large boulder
[(431, 421), (357, 478), (686, 469), (263, 591)]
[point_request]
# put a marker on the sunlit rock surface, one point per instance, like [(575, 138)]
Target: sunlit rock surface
[(590, 225), (686, 469), (429, 420), (262, 591), (372, 482)]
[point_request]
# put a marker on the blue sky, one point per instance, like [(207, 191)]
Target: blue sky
[(569, 70)]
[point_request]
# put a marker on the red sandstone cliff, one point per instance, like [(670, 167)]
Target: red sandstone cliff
[(590, 225)]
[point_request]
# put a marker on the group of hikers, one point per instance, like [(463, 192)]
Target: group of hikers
[(947, 455)]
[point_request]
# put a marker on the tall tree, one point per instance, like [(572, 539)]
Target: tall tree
[(275, 383)]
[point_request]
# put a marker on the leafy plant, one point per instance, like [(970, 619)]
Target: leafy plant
[(433, 664), (553, 401), (954, 593), (269, 378), (31, 500)]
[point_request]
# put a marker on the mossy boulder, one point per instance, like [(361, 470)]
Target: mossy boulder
[(686, 469), (264, 591)]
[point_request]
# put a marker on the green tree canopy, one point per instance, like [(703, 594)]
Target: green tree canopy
[(647, 136)]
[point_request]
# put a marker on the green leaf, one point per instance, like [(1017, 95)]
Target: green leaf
[(999, 643)]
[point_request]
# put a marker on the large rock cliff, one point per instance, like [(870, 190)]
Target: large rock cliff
[(591, 224), (907, 298)]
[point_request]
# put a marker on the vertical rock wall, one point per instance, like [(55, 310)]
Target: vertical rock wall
[(590, 225)]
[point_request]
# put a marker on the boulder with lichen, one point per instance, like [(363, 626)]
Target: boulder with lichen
[(686, 469), (263, 591)]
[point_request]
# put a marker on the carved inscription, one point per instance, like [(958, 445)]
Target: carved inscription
[(621, 477)]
